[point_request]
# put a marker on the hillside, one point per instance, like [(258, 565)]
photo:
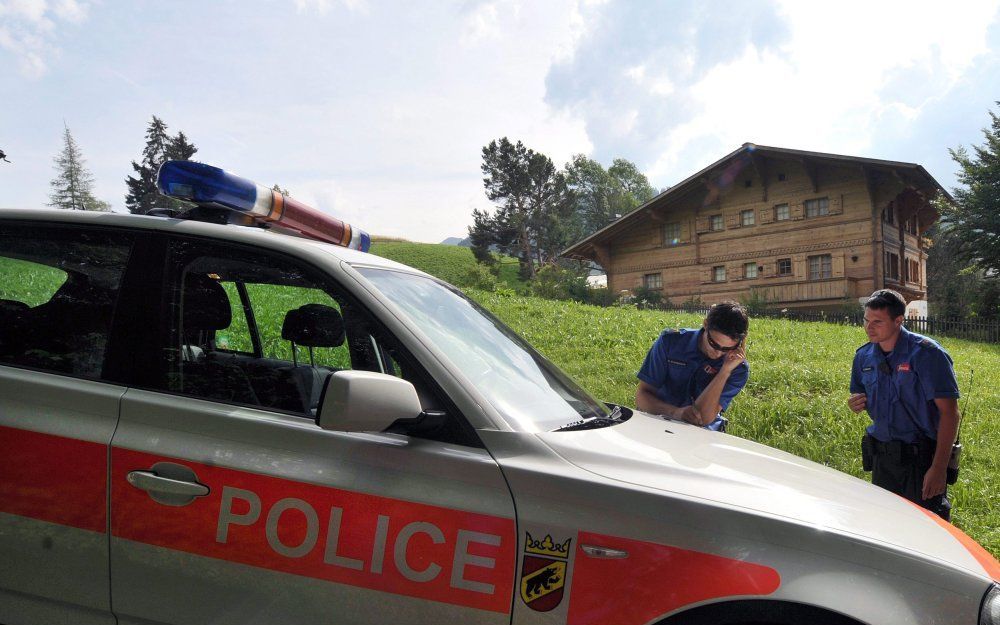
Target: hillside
[(451, 263), (796, 397)]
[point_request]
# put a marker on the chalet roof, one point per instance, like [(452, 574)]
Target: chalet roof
[(754, 154)]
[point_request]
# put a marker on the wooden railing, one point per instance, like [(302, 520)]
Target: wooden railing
[(957, 327)]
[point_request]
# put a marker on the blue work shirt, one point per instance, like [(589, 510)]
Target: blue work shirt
[(900, 401), (679, 371)]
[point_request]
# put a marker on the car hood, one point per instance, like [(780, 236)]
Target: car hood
[(690, 461)]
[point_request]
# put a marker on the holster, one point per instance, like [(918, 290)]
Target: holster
[(867, 452)]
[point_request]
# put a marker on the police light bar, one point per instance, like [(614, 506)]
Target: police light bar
[(211, 187)]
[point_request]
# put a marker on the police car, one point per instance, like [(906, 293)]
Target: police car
[(247, 421)]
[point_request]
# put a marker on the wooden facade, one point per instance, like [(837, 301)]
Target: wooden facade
[(804, 230)]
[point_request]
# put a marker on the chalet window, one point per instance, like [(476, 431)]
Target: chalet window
[(915, 271), (671, 234), (750, 270), (820, 267), (652, 281), (911, 225), (817, 207), (715, 222), (747, 217), (906, 271), (892, 266), (784, 266), (782, 213), (889, 214), (719, 274)]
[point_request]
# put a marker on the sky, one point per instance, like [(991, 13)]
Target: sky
[(377, 112)]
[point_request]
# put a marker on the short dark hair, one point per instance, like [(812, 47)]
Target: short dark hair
[(887, 299), (730, 318)]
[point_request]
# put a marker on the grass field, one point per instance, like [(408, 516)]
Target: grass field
[(796, 397)]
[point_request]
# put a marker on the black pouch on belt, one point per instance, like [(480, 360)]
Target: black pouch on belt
[(867, 452)]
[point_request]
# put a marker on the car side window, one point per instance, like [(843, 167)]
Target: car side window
[(258, 329), (58, 291)]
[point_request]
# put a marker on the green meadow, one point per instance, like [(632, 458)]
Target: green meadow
[(796, 397)]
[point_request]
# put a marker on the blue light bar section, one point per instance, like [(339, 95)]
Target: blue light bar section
[(204, 184)]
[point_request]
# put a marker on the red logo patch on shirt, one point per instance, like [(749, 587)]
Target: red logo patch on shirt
[(903, 367), (709, 369)]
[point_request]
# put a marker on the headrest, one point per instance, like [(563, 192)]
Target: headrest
[(206, 305), (314, 325)]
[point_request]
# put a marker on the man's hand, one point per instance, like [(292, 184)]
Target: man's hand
[(857, 402), (935, 481), (735, 357)]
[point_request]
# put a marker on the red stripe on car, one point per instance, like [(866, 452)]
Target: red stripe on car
[(53, 478), (401, 547), (655, 580)]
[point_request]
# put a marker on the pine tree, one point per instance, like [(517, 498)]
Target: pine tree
[(160, 146), (975, 216), (180, 149), (72, 188)]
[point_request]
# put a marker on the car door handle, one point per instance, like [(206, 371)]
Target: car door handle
[(151, 482)]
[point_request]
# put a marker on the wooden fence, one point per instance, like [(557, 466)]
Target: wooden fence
[(956, 327)]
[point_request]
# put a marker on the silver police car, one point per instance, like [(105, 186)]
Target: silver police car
[(248, 422)]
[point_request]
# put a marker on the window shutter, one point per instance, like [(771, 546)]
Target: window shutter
[(837, 204), (799, 265), (735, 272), (702, 224), (797, 210), (837, 265), (706, 275), (686, 231), (733, 221), (765, 215)]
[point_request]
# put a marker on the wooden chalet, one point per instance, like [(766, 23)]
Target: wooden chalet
[(805, 230)]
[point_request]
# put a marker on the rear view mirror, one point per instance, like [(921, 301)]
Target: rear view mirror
[(364, 401)]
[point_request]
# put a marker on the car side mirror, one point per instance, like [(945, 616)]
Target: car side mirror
[(365, 401)]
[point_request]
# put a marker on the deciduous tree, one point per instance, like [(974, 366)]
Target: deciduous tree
[(532, 204)]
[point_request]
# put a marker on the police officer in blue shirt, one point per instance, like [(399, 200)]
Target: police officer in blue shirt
[(907, 384), (693, 374)]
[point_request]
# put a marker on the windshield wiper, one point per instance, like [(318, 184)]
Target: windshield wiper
[(593, 423)]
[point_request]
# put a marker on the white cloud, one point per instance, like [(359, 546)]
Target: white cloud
[(28, 31), (323, 7), (831, 85)]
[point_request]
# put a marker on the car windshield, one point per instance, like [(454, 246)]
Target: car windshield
[(530, 392)]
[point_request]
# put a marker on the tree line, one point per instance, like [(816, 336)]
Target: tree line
[(72, 188), (540, 210), (963, 265)]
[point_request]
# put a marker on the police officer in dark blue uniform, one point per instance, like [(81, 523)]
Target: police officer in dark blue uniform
[(907, 384), (694, 374)]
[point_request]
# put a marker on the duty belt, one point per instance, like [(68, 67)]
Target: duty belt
[(903, 450)]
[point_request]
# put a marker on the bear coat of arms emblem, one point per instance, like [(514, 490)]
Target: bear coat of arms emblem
[(543, 572)]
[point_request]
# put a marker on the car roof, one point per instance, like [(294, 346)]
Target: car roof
[(227, 232)]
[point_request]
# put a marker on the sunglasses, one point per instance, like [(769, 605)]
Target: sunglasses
[(720, 348)]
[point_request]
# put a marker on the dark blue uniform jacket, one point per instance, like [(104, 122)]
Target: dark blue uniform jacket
[(901, 386), (679, 372)]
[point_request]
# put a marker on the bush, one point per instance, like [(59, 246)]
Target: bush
[(694, 304), (553, 282), (646, 298), (602, 296), (756, 302), (478, 277)]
